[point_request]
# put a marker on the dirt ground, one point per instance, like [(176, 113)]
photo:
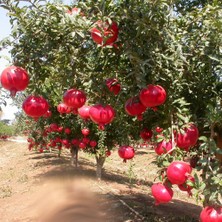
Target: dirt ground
[(45, 188)]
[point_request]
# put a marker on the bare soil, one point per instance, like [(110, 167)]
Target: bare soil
[(45, 188)]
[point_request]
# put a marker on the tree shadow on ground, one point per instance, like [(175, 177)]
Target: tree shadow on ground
[(143, 203)]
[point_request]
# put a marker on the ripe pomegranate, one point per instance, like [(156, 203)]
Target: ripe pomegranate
[(85, 131), (178, 172), (14, 78), (82, 145), (161, 193), (93, 143), (108, 153), (63, 108), (146, 134), (102, 115), (84, 112), (159, 129), (126, 152), (75, 142), (54, 127), (152, 96), (67, 130), (57, 140), (104, 33), (86, 140), (47, 114), (188, 138), (134, 107), (113, 86), (211, 214), (35, 106), (163, 147), (65, 142), (74, 98), (60, 129), (185, 186)]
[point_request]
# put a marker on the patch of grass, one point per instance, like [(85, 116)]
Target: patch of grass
[(5, 191), (23, 179)]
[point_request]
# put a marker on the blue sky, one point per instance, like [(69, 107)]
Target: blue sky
[(9, 110)]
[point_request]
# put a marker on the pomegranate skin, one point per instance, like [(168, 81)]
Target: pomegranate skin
[(161, 193), (211, 214), (14, 78), (178, 171), (163, 147), (102, 115), (188, 138), (126, 152), (74, 98), (35, 106), (152, 96), (104, 33)]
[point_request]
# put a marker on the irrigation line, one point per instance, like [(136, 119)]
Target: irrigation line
[(124, 203)]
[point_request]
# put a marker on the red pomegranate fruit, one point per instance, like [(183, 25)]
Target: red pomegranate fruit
[(186, 187), (134, 107), (63, 108), (104, 33), (102, 115), (93, 143), (161, 193), (14, 78), (85, 131), (35, 106), (113, 86), (74, 98), (82, 145), (152, 96), (159, 129), (188, 138), (75, 142), (146, 134), (178, 172), (84, 112), (211, 214), (163, 147), (126, 152), (48, 114), (67, 130)]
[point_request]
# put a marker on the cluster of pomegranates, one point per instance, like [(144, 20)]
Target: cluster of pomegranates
[(177, 173), (150, 97)]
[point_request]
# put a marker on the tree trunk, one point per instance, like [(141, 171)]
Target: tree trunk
[(100, 160), (74, 156)]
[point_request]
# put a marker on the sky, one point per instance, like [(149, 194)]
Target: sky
[(9, 110)]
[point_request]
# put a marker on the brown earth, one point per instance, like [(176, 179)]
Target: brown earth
[(44, 188)]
